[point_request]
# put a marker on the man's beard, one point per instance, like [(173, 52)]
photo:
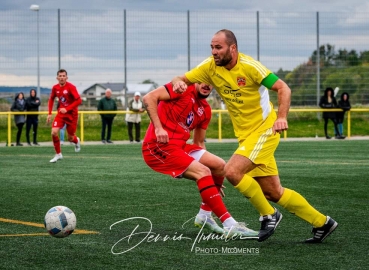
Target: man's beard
[(201, 96), (225, 61)]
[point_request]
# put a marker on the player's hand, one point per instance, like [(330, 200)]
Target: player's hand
[(221, 191), (179, 87), (48, 119), (280, 125), (63, 110), (161, 135)]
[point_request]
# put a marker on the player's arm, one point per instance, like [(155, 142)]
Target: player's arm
[(50, 104), (151, 101), (284, 100), (199, 137)]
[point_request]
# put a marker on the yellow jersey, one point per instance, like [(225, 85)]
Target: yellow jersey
[(246, 99)]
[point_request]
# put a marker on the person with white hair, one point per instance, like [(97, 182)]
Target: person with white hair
[(107, 103), (133, 117)]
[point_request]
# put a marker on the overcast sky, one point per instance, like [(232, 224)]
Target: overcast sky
[(195, 5), (92, 36)]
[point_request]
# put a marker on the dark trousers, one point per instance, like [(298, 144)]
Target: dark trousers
[(138, 131), (106, 122), (326, 125), (31, 122), (19, 133)]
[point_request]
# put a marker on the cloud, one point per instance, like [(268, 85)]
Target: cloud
[(92, 41)]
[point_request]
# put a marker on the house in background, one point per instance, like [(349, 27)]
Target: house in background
[(95, 92)]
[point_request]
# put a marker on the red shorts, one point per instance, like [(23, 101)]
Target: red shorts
[(171, 159), (70, 120), (189, 148)]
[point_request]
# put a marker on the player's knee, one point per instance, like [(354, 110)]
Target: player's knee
[(232, 175), (273, 195), (219, 166), (204, 171), (54, 133)]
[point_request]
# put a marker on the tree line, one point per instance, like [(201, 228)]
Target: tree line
[(346, 69)]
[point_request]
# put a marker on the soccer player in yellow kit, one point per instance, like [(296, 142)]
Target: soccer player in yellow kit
[(242, 83)]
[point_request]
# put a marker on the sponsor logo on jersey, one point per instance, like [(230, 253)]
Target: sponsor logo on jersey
[(190, 118), (63, 99), (241, 81)]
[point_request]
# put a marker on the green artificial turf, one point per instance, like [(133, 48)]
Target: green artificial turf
[(108, 184)]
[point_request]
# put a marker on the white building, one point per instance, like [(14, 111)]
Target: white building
[(96, 91)]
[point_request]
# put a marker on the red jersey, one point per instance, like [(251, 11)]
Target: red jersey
[(68, 98), (181, 114)]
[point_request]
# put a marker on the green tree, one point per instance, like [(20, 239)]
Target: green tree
[(326, 55), (148, 81), (364, 57), (347, 58)]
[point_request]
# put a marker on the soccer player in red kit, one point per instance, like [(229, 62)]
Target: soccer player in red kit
[(69, 100), (165, 150)]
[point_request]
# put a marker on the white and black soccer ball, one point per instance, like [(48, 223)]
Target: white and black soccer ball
[(60, 221)]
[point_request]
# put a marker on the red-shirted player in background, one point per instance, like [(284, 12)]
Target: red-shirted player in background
[(165, 150), (69, 100)]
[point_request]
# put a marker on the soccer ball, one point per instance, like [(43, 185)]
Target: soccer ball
[(60, 221)]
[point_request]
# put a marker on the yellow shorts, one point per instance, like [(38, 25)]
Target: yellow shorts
[(259, 147)]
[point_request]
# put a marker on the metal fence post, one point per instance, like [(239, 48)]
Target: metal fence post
[(317, 61), (125, 59), (188, 41), (59, 45), (257, 36)]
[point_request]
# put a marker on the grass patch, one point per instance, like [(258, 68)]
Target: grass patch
[(104, 184)]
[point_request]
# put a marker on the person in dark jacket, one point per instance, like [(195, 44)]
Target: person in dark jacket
[(107, 104), (32, 105), (344, 104), (19, 105), (328, 101)]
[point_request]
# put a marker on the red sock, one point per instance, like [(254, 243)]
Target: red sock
[(75, 140), (218, 180), (212, 198), (56, 142), (205, 207)]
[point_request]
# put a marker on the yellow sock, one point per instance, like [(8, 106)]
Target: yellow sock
[(252, 191), (298, 205)]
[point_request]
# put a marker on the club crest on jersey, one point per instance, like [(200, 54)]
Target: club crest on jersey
[(189, 119), (241, 81), (65, 92), (200, 111)]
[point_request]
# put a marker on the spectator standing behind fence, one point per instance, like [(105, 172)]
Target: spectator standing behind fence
[(32, 105), (344, 104), (107, 104), (19, 105), (328, 101), (134, 117)]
